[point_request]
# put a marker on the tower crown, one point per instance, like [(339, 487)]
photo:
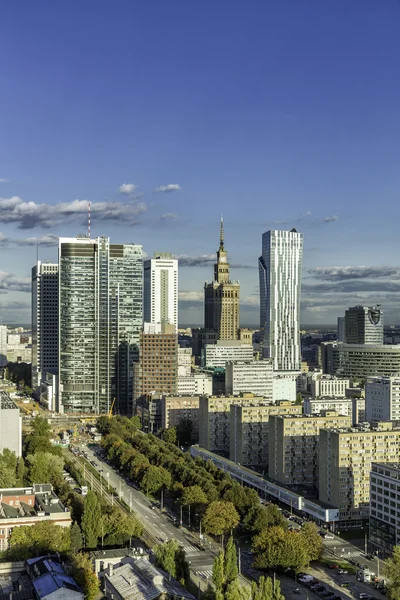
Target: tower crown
[(221, 267)]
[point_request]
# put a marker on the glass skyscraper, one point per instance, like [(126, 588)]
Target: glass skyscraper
[(280, 266), (100, 319)]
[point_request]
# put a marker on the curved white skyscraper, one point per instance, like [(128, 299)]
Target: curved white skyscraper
[(280, 268)]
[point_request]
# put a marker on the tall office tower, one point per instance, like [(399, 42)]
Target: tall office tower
[(363, 325), (156, 372), (221, 297), (100, 319), (280, 282), (44, 323), (3, 345), (340, 329), (160, 292)]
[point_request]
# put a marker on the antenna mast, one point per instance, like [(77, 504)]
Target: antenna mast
[(88, 225)]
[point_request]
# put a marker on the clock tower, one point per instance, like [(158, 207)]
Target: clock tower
[(221, 297)]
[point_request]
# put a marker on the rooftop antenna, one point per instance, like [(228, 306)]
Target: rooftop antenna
[(221, 233), (88, 224)]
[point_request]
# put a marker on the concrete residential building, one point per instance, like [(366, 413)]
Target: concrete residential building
[(156, 371), (382, 399), (3, 345), (253, 376), (175, 409), (327, 385), (10, 425), (364, 325), (284, 388), (196, 383), (280, 266), (217, 355), (184, 362), (384, 511), (358, 412), (345, 462), (360, 361), (160, 289), (100, 318), (44, 323), (294, 446), (221, 297), (214, 420), (342, 406), (19, 347), (28, 506), (250, 428)]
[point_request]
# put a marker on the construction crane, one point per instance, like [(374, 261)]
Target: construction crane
[(111, 409)]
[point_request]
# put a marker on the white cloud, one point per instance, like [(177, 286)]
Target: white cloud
[(4, 180), (11, 283), (171, 187), (29, 214), (331, 219), (127, 188), (168, 217), (191, 296)]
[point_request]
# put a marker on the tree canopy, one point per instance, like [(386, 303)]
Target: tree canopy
[(392, 573), (220, 517), (34, 540)]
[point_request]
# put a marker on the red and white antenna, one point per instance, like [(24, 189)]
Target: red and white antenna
[(88, 222)]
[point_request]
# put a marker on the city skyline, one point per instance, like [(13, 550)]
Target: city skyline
[(164, 132)]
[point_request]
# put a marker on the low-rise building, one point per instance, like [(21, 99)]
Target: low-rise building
[(217, 355), (10, 425), (384, 511), (214, 420), (294, 446), (19, 347), (255, 376), (50, 581), (345, 458), (195, 383), (28, 506), (314, 406), (327, 385), (382, 399), (175, 409), (138, 579), (249, 429)]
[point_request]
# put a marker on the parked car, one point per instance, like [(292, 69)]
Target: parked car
[(343, 572), (333, 566)]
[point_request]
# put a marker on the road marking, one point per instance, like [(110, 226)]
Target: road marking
[(205, 574)]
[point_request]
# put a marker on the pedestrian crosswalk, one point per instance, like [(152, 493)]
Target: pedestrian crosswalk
[(190, 550), (342, 551), (205, 574)]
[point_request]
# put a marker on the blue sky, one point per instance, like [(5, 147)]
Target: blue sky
[(275, 113)]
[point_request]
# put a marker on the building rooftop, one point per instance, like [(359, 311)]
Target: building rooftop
[(6, 402), (49, 576), (46, 501)]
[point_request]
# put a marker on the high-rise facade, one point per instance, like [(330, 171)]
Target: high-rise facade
[(160, 293), (44, 322), (100, 319), (363, 325), (280, 266), (221, 297), (382, 399), (3, 345)]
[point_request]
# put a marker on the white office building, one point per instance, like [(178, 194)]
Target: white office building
[(160, 289), (382, 399), (184, 362), (280, 266), (315, 406), (3, 345), (254, 376), (327, 385), (217, 355), (44, 323), (195, 384), (10, 425), (283, 388), (384, 511)]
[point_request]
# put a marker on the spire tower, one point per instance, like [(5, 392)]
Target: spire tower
[(221, 234)]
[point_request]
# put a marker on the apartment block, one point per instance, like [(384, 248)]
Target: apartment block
[(217, 355), (184, 362), (294, 446), (214, 420), (249, 432), (358, 361), (195, 383), (160, 289), (28, 506), (384, 512), (346, 455), (284, 387), (255, 376), (175, 409), (382, 399), (358, 410), (314, 406), (327, 385)]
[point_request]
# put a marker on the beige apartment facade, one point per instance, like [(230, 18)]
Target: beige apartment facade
[(249, 431), (346, 455), (175, 409), (294, 446)]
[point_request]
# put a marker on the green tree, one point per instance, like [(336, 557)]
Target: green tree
[(76, 540), (8, 468), (266, 589), (391, 572), (299, 398), (231, 569), (21, 471), (220, 517), (275, 547), (119, 528), (218, 575), (184, 432), (91, 520), (261, 517), (27, 541), (44, 467), (312, 541), (169, 435), (193, 496), (165, 556), (82, 572), (154, 479), (235, 591)]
